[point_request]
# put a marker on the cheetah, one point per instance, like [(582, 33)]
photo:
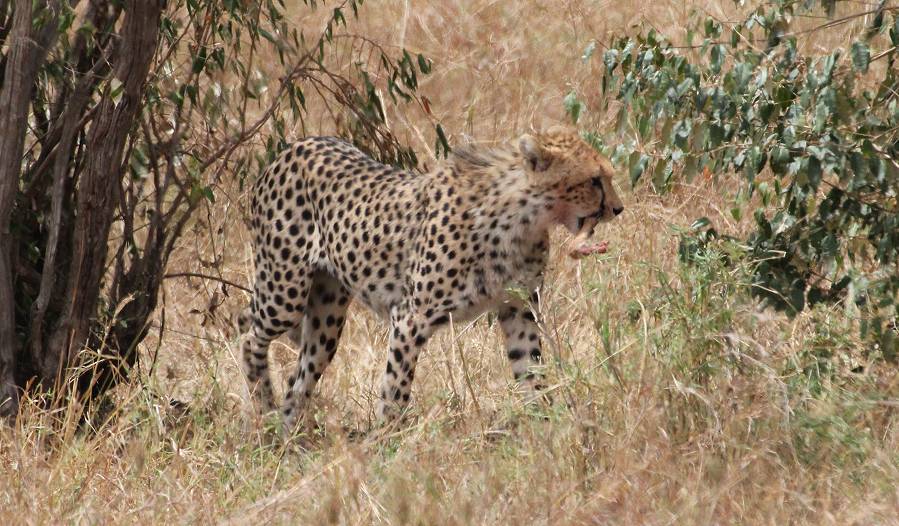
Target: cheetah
[(330, 224)]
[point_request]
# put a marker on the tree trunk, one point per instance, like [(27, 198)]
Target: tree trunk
[(27, 49), (96, 199)]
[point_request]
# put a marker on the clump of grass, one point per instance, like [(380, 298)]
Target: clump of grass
[(677, 398)]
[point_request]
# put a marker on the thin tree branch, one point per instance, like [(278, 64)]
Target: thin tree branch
[(206, 276)]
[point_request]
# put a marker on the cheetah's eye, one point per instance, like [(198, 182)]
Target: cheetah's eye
[(596, 182)]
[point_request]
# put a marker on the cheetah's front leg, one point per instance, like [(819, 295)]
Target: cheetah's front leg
[(408, 334), (522, 346)]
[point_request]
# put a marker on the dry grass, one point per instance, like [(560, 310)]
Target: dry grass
[(677, 400)]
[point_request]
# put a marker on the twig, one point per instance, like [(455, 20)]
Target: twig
[(827, 25), (465, 373), (838, 21), (206, 276), (162, 329), (883, 53)]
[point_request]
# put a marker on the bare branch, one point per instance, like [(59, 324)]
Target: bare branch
[(206, 276)]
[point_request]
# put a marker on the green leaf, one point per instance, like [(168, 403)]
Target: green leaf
[(753, 163), (116, 90), (610, 59), (176, 96), (691, 168), (681, 133), (814, 171), (797, 296), (700, 223), (861, 56), (822, 113), (424, 65), (199, 60), (198, 192), (87, 30), (588, 51), (268, 36), (712, 28), (573, 106), (718, 53), (442, 145), (638, 162), (594, 140), (338, 16), (685, 86), (830, 62)]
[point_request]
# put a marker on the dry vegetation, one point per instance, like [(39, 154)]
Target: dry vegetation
[(677, 400)]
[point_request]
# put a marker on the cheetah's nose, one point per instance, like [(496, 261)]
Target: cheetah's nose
[(618, 210)]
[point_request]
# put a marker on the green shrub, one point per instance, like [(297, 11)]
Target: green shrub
[(813, 140)]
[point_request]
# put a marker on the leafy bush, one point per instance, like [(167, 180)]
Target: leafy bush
[(813, 139)]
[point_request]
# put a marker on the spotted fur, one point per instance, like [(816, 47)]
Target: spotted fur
[(330, 224)]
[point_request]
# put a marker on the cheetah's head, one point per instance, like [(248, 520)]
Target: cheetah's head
[(575, 178)]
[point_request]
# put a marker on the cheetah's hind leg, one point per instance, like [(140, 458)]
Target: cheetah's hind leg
[(277, 307), (317, 343)]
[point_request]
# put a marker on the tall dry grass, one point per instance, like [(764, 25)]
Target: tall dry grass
[(678, 400)]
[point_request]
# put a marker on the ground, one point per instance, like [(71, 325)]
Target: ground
[(678, 399)]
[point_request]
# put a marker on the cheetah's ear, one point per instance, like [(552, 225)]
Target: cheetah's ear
[(535, 156)]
